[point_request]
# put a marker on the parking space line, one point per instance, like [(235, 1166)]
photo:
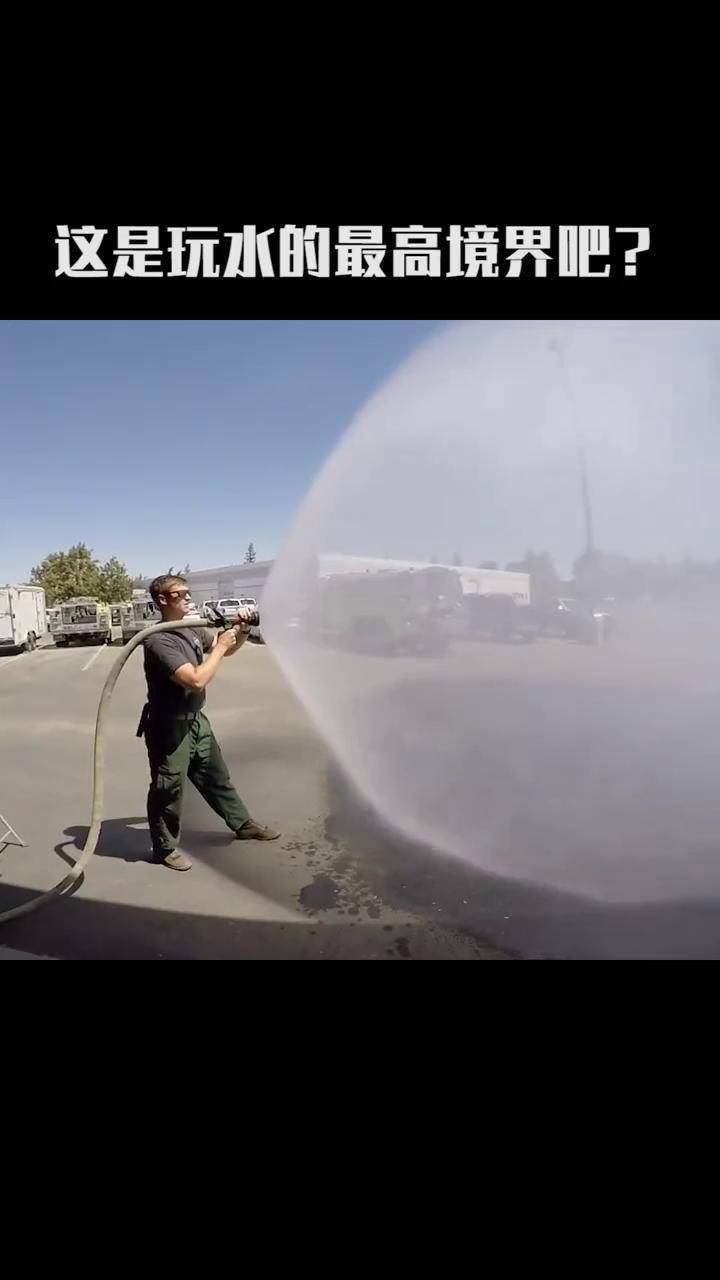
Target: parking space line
[(95, 655)]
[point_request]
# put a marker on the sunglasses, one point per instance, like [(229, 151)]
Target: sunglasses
[(178, 595)]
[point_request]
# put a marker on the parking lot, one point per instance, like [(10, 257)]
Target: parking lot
[(304, 896), (340, 883)]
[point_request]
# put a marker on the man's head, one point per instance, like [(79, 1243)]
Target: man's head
[(172, 596)]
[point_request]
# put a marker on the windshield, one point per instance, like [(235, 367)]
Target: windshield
[(145, 611), (79, 613)]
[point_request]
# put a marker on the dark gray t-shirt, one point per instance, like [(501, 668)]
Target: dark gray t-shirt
[(164, 653)]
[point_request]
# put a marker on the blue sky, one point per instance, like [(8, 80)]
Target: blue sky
[(164, 442), (168, 442)]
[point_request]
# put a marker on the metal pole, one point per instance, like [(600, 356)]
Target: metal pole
[(10, 831), (556, 345)]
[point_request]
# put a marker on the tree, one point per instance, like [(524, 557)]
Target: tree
[(250, 554), (65, 574), (139, 580), (76, 572), (114, 582), (489, 564), (457, 559)]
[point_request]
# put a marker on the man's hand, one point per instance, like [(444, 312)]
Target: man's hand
[(230, 641), (227, 641), (244, 616)]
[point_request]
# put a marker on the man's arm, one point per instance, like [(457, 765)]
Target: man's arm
[(196, 678)]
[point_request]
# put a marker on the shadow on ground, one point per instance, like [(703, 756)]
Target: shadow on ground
[(123, 838), (78, 927), (520, 919)]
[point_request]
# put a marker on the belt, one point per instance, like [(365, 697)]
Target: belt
[(171, 715)]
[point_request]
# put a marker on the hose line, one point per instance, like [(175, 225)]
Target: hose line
[(98, 797)]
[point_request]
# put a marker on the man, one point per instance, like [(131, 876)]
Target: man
[(179, 739)]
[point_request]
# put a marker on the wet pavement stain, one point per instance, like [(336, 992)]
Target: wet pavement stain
[(321, 895)]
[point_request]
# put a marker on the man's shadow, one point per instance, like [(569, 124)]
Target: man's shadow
[(124, 838), (128, 839)]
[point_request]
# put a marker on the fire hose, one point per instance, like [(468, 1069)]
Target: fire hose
[(98, 797)]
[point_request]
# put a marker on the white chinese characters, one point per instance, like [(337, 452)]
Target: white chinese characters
[(477, 251)]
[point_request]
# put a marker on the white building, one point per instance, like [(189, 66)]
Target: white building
[(230, 580), (474, 581)]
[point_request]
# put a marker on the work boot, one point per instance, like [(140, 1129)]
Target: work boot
[(251, 830), (176, 860)]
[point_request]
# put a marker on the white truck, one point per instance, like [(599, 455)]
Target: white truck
[(229, 607), (83, 620), (23, 617), (142, 613)]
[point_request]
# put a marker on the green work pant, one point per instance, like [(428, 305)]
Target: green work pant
[(179, 749)]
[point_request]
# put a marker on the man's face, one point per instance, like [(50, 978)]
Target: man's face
[(176, 601)]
